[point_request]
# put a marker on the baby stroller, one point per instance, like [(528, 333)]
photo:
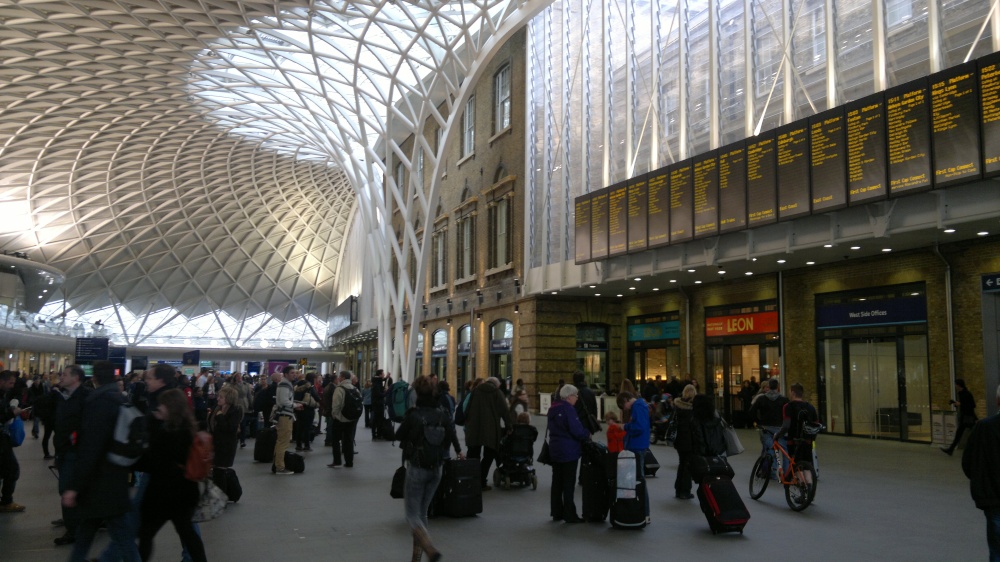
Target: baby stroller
[(663, 430), (516, 457)]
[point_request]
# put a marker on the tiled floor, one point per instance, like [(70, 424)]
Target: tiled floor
[(876, 501)]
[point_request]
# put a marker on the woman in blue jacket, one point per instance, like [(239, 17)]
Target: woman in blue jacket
[(566, 434), (637, 436)]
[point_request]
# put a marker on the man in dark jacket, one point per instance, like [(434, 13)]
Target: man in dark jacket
[(69, 421), (981, 463), (487, 410), (378, 405), (10, 470), (586, 406), (966, 413), (766, 411), (97, 486)]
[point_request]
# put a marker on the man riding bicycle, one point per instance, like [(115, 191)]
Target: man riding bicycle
[(796, 413), (767, 411)]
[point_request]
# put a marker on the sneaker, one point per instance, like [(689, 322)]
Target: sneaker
[(946, 451), (284, 471), (12, 508)]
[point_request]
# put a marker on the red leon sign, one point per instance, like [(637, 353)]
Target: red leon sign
[(740, 324)]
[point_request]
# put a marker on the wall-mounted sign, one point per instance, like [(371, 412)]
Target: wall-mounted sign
[(742, 324)]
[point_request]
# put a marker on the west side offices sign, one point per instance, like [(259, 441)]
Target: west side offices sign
[(887, 312), (742, 324)]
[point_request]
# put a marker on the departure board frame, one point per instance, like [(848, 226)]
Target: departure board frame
[(792, 159), (705, 190), (955, 117), (658, 205), (582, 234), (638, 213), (828, 160), (618, 219), (733, 187), (681, 201), (989, 113), (908, 133), (867, 172)]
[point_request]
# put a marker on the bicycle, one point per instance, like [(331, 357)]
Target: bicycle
[(799, 478)]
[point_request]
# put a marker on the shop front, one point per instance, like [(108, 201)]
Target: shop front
[(654, 351), (873, 362), (592, 355), (439, 354), (464, 371), (742, 349), (501, 352)]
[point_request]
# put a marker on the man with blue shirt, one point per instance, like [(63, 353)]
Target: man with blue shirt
[(636, 410)]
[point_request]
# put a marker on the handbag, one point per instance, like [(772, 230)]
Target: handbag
[(211, 504), (15, 431), (545, 457), (733, 445), (398, 488), (702, 467)]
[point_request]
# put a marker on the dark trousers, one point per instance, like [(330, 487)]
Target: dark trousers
[(303, 429), (488, 455), (368, 415), (958, 434), (682, 483), (378, 414), (245, 426), (343, 442), (45, 438), (71, 515), (563, 488), (154, 519), (10, 471)]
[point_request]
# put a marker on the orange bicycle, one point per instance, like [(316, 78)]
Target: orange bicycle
[(799, 478)]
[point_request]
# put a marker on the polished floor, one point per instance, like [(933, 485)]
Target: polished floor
[(877, 500)]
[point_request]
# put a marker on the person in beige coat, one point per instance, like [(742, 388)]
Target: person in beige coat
[(345, 421)]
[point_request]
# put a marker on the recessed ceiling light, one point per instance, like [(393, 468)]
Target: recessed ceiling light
[(690, 271), (949, 231), (886, 249), (638, 278), (810, 263), (597, 294), (781, 261), (593, 286), (982, 233), (753, 259), (914, 294), (673, 280), (619, 295), (656, 288), (855, 247), (697, 282), (631, 288), (748, 273), (555, 292), (862, 299), (722, 272), (827, 245)]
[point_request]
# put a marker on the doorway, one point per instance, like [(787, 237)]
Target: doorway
[(732, 365)]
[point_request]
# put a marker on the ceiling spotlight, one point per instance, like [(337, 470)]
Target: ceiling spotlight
[(656, 288), (555, 292), (288, 345), (855, 247), (949, 231), (862, 299), (597, 294), (313, 345), (982, 233), (748, 273), (697, 282), (618, 296), (593, 286), (781, 261), (239, 343), (810, 263), (690, 271), (673, 280), (264, 343), (638, 279), (914, 294), (722, 272), (886, 249), (753, 259), (827, 245), (631, 288)]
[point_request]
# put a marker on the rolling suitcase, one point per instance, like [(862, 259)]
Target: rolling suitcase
[(652, 465), (722, 504), (228, 482), (293, 461), (263, 448), (594, 476), (628, 500), (460, 492)]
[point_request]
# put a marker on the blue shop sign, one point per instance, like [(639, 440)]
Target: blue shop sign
[(501, 346), (655, 331), (872, 313)]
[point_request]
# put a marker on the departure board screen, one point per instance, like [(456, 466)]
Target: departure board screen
[(582, 232), (638, 199), (658, 216), (955, 124), (989, 102), (732, 187), (618, 219), (706, 195), (828, 160), (866, 169), (681, 202), (761, 180), (908, 121), (599, 225), (793, 170)]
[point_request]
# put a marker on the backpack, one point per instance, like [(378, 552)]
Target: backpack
[(353, 407), (200, 456), (397, 400), (427, 443), (15, 431), (131, 436), (461, 409)]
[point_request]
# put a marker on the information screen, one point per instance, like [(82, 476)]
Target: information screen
[(989, 102), (618, 219), (706, 195), (638, 200), (955, 124), (658, 216), (599, 225), (761, 182), (828, 160), (866, 159), (681, 202), (908, 120), (793, 170), (732, 187), (582, 232)]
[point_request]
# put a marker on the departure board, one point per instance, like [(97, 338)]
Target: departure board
[(793, 170), (866, 169), (955, 125), (681, 202), (582, 233), (908, 119), (705, 183), (658, 214), (638, 201), (761, 180), (989, 102), (828, 160), (618, 219), (599, 225), (732, 187)]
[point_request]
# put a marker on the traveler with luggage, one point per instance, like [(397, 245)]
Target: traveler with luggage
[(425, 434), (717, 495), (346, 409), (566, 436), (684, 445), (284, 412), (485, 416), (637, 429), (224, 425)]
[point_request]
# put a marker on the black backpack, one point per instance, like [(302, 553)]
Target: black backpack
[(427, 441), (353, 405)]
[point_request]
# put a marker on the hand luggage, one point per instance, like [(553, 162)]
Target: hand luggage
[(595, 490), (702, 467), (226, 479), (722, 505), (263, 448), (386, 431), (293, 461), (628, 500), (460, 493), (652, 465)]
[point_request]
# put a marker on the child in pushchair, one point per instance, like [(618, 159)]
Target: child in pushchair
[(661, 415), (516, 455)]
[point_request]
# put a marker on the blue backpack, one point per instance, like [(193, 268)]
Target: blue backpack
[(15, 431), (398, 394)]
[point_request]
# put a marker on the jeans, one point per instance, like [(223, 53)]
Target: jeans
[(122, 538), (284, 436), (421, 483), (767, 441), (71, 515), (993, 532), (562, 505)]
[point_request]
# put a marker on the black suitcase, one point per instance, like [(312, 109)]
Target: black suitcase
[(228, 482), (293, 461), (722, 505), (595, 491), (385, 430), (652, 465), (263, 448), (460, 493)]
